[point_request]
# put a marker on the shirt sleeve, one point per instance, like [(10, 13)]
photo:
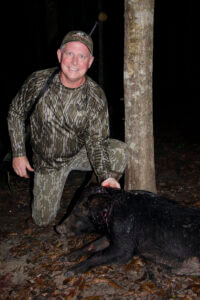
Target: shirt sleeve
[(97, 137), (17, 114)]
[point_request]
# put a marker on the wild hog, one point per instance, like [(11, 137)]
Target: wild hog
[(134, 223)]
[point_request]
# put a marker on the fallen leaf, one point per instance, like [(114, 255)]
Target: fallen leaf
[(92, 298), (66, 281), (72, 293), (12, 234), (40, 282), (80, 283), (148, 286), (105, 280), (59, 244), (5, 280), (134, 264), (28, 231), (195, 288)]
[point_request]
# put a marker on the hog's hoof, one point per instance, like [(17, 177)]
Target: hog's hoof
[(63, 259), (60, 229), (69, 273), (69, 257), (73, 256)]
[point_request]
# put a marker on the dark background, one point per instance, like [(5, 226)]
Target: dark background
[(33, 29)]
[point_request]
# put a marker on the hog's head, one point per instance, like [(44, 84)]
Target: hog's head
[(90, 214)]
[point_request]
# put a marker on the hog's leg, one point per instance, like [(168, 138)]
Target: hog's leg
[(116, 252), (92, 247)]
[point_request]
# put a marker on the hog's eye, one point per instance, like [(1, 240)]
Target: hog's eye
[(105, 212)]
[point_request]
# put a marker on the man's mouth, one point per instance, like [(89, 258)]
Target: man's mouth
[(73, 69)]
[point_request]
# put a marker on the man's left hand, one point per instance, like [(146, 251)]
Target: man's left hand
[(111, 182)]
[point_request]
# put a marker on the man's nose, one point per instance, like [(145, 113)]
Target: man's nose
[(75, 60)]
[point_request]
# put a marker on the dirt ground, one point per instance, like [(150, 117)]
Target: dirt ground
[(30, 264)]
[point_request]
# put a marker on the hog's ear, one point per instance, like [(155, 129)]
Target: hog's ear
[(81, 210), (94, 190), (99, 202)]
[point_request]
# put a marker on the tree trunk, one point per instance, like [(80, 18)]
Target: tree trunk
[(138, 57), (101, 54)]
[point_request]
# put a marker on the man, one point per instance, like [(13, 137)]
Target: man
[(69, 128)]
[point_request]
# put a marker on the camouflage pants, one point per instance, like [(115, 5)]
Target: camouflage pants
[(48, 188)]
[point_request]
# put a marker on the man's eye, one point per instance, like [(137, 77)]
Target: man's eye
[(68, 53), (81, 56)]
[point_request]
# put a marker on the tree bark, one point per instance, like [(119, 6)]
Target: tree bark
[(138, 57)]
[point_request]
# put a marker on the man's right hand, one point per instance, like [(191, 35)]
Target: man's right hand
[(21, 165)]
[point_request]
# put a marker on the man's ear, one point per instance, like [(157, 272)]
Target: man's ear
[(91, 61), (59, 55)]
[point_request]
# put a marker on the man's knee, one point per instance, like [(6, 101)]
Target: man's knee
[(47, 193), (119, 154), (43, 217)]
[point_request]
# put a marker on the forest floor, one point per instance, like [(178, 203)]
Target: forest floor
[(30, 267)]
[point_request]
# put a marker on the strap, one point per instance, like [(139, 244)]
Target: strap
[(43, 90)]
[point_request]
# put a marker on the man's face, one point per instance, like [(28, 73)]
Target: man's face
[(75, 59)]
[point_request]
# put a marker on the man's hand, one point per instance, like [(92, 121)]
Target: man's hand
[(111, 182), (21, 165)]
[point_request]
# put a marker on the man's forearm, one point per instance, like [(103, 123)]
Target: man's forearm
[(16, 129)]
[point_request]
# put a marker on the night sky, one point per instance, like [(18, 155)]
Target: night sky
[(31, 34)]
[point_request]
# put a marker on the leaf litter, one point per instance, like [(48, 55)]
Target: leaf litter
[(30, 265)]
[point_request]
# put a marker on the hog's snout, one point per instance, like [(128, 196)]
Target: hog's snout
[(66, 228)]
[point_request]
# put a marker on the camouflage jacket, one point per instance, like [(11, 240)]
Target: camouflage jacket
[(63, 121)]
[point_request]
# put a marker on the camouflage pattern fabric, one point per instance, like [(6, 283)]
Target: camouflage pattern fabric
[(48, 188), (64, 120), (69, 131)]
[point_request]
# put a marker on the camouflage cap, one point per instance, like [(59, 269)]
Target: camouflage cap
[(78, 36)]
